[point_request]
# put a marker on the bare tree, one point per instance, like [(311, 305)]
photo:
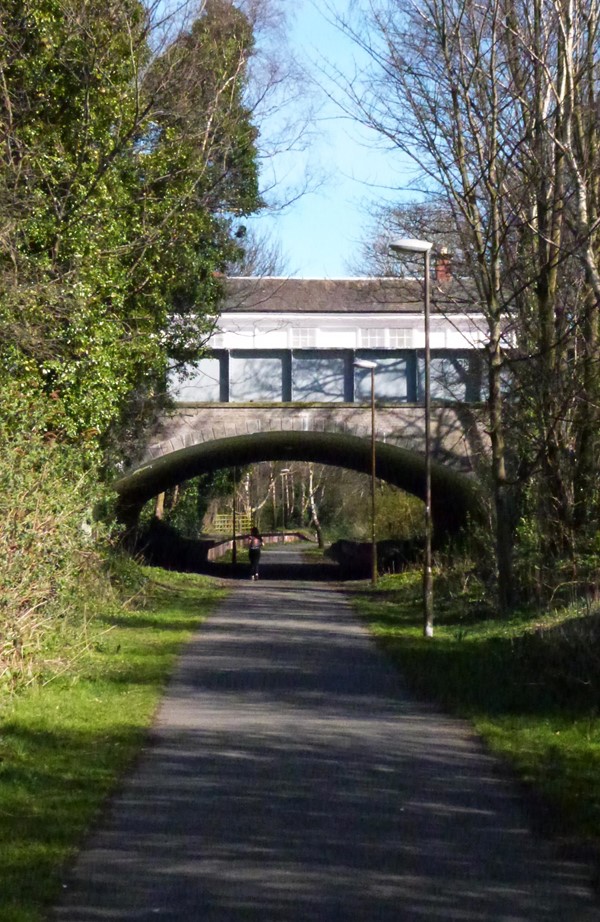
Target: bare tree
[(260, 255), (551, 203), (497, 104), (423, 220), (312, 501), (434, 93)]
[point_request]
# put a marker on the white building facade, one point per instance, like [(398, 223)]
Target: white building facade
[(296, 341)]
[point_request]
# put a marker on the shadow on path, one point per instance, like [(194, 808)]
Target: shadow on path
[(290, 778), (278, 562)]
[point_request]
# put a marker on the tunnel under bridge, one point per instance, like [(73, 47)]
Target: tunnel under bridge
[(455, 494)]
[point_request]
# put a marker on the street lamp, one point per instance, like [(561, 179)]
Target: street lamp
[(284, 472), (409, 246), (233, 521), (364, 363)]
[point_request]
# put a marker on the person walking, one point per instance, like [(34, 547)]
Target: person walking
[(256, 542)]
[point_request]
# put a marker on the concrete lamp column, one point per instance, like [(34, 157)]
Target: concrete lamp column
[(407, 246), (283, 474), (363, 363)]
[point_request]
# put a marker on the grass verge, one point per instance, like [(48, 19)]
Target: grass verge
[(65, 744), (530, 687)]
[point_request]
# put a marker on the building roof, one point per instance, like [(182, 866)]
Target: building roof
[(341, 296)]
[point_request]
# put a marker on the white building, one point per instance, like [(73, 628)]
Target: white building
[(296, 340)]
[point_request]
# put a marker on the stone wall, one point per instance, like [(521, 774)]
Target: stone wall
[(457, 432)]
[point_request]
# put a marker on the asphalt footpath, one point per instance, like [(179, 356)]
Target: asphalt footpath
[(289, 777)]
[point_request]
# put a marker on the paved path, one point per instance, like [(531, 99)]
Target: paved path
[(289, 778)]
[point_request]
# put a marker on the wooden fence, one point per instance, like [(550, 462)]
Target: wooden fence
[(223, 523)]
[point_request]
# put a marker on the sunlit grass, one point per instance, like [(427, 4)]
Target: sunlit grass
[(530, 685), (64, 745)]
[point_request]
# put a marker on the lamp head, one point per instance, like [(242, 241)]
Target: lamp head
[(364, 363), (410, 245)]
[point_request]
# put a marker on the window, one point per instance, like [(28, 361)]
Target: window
[(391, 378), (303, 337), (255, 377), (198, 383), (372, 338), (319, 377), (401, 339), (455, 376)]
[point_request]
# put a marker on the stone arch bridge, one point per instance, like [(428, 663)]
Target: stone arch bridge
[(195, 439), (282, 380)]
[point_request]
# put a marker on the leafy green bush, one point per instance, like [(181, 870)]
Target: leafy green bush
[(50, 553)]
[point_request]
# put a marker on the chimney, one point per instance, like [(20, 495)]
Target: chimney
[(443, 266)]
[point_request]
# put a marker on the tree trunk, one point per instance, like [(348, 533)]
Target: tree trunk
[(159, 506), (504, 536), (314, 517)]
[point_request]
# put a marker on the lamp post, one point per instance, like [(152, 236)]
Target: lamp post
[(371, 366), (409, 246), (284, 472), (233, 521)]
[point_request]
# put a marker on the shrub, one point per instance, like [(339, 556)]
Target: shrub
[(50, 557)]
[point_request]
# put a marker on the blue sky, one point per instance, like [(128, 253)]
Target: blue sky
[(320, 234)]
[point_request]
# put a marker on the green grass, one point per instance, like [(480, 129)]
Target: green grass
[(311, 551), (65, 744), (531, 687)]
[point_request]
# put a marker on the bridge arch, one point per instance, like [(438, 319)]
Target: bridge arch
[(455, 496)]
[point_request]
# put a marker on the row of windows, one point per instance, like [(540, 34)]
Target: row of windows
[(377, 337), (328, 377)]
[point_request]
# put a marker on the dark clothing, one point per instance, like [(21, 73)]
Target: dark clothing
[(254, 553), (256, 543)]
